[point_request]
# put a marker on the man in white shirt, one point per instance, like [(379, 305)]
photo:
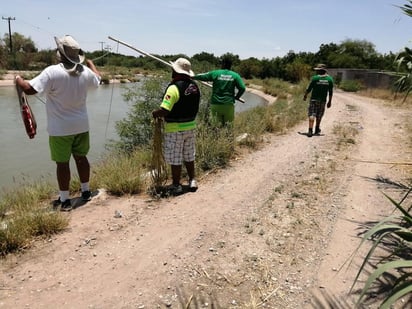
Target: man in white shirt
[(65, 86)]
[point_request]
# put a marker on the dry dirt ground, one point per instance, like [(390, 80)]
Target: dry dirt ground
[(271, 231)]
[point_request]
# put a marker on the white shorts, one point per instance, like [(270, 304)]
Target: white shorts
[(179, 147)]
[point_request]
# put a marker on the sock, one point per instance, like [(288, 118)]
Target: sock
[(64, 195), (85, 186)]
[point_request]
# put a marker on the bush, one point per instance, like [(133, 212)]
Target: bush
[(350, 85)]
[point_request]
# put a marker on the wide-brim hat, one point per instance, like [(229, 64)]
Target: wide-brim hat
[(182, 66), (70, 49), (320, 67)]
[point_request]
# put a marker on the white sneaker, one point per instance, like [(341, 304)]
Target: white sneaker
[(192, 185)]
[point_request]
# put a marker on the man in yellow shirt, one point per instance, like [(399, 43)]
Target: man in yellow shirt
[(179, 109)]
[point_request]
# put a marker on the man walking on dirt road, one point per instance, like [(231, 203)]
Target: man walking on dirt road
[(321, 86)]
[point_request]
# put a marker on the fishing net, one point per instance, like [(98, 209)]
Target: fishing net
[(158, 167)]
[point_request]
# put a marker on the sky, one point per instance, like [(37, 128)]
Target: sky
[(259, 28)]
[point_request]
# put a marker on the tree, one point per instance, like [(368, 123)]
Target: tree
[(357, 54), (297, 70), (206, 57), (20, 43), (325, 51), (250, 68)]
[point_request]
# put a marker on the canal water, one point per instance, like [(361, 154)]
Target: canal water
[(24, 159)]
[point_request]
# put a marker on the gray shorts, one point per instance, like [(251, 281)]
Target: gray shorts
[(316, 108), (179, 147)]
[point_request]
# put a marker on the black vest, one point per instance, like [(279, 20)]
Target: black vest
[(186, 108)]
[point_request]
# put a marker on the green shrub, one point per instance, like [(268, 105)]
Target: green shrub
[(350, 85)]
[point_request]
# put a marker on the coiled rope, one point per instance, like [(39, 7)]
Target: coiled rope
[(158, 167)]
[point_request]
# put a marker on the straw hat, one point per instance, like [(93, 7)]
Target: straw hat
[(70, 49), (320, 67), (182, 66)]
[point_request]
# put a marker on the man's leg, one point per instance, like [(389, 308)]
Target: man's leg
[(83, 168), (176, 173), (311, 122), (63, 180), (176, 188), (63, 175), (319, 116), (311, 116), (317, 127), (190, 167)]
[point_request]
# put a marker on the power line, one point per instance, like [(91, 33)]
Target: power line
[(10, 19)]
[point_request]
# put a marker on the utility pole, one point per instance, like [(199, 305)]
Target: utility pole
[(101, 43), (10, 19)]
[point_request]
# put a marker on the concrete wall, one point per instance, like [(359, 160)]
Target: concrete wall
[(369, 78)]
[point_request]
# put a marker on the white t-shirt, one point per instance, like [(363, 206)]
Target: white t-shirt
[(65, 98)]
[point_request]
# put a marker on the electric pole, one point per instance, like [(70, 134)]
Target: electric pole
[(102, 51), (10, 19)]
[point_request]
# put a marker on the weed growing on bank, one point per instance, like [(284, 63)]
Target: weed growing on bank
[(26, 213)]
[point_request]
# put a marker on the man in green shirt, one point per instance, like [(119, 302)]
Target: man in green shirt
[(225, 82), (321, 86)]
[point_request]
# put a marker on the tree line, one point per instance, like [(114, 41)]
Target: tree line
[(293, 67)]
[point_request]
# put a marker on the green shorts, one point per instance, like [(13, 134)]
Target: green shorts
[(62, 147), (223, 113)]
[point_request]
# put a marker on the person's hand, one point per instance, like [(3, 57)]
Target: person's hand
[(157, 113), (329, 104)]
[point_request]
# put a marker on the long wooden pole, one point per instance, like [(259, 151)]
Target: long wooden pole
[(156, 58)]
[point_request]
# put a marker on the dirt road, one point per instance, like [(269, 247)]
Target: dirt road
[(267, 232)]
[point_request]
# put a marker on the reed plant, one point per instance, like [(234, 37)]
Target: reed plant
[(391, 274)]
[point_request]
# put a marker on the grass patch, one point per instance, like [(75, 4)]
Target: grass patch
[(26, 213), (121, 173), (346, 135), (272, 86), (214, 147)]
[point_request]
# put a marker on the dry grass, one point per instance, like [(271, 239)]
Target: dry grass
[(25, 213)]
